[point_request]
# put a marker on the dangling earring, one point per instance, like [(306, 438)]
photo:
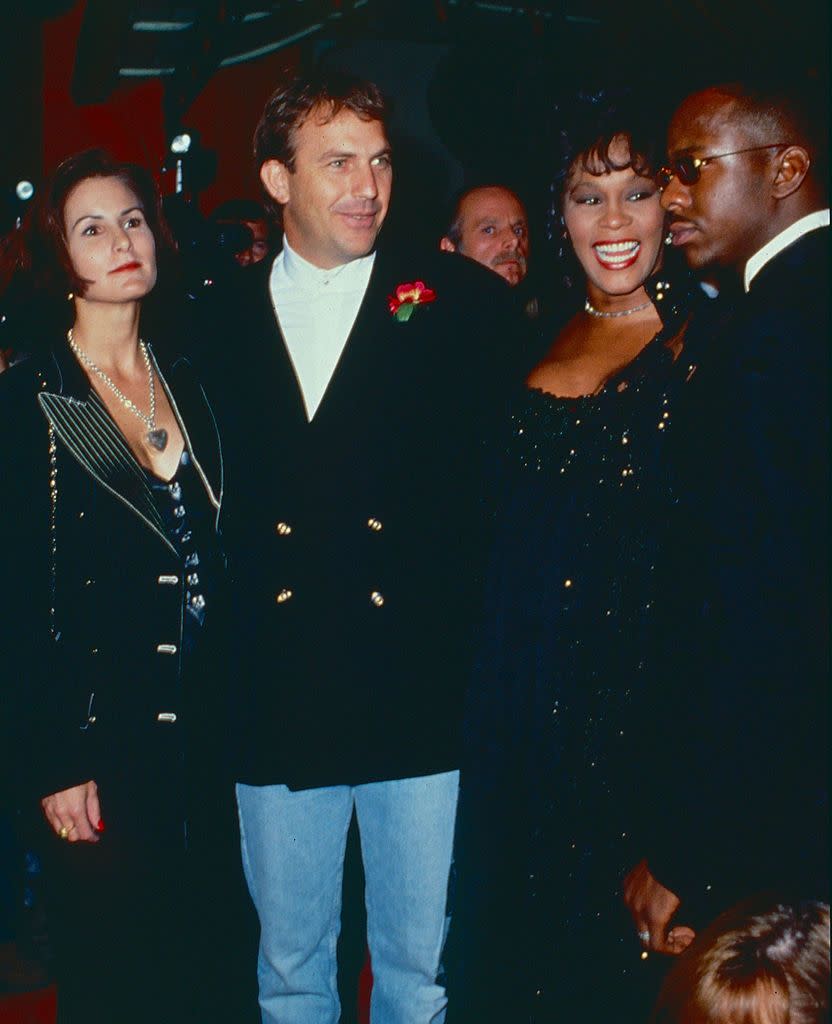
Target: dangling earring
[(564, 235), (668, 238), (70, 296)]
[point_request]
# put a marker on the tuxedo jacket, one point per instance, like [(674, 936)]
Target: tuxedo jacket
[(743, 688), (91, 613), (355, 538)]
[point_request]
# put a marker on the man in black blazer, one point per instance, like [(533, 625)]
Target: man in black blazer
[(357, 387), (739, 747)]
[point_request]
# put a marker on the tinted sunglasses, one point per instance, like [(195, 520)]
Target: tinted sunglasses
[(688, 168)]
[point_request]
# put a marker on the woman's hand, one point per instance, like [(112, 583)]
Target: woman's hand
[(652, 907), (75, 814)]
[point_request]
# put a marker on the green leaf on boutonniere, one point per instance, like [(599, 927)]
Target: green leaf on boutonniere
[(407, 298), (405, 312)]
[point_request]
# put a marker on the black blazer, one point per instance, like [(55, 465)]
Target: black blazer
[(355, 538), (92, 603), (743, 688)]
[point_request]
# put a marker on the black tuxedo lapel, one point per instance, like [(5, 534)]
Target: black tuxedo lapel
[(271, 371), (362, 367), (360, 361)]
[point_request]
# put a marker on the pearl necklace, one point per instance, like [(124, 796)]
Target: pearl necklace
[(156, 437), (608, 315)]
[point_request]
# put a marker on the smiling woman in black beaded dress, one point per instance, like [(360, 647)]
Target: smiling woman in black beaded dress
[(112, 474), (549, 814)]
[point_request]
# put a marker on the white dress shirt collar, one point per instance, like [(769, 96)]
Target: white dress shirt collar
[(818, 219), (346, 277), (316, 310)]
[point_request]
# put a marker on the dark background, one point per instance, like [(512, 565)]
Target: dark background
[(472, 82)]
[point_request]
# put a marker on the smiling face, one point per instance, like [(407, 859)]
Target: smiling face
[(724, 218), (494, 232), (109, 242), (615, 223), (336, 198)]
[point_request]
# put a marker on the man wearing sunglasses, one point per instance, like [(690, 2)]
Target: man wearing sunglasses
[(737, 179), (741, 804)]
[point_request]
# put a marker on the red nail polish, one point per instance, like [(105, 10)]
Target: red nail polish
[(100, 825)]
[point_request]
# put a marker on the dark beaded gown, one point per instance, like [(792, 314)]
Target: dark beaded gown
[(550, 802)]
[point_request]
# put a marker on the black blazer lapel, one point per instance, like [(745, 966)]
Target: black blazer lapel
[(84, 426), (87, 431), (368, 362), (364, 361), (274, 374), (275, 364)]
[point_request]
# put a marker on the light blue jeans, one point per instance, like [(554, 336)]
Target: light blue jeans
[(293, 846)]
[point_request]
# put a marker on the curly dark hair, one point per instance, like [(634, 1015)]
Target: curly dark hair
[(584, 127)]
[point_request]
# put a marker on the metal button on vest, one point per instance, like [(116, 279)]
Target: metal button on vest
[(282, 529), (283, 596), (168, 580), (377, 598), (166, 716), (166, 648), (375, 524)]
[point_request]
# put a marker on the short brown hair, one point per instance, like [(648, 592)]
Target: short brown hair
[(765, 965), (41, 274), (291, 104), (48, 253)]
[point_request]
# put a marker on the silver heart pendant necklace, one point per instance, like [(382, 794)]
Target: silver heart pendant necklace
[(156, 437)]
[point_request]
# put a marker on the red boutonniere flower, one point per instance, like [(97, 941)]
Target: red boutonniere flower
[(408, 297)]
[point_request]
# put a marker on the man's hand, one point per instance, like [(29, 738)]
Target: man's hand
[(652, 908), (75, 814)]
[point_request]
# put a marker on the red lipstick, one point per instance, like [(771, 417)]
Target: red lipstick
[(617, 254)]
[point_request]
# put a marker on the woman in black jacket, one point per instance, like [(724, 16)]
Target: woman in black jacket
[(112, 490)]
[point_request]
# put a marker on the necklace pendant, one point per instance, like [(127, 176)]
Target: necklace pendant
[(157, 438)]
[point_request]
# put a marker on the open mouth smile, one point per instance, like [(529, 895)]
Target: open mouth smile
[(617, 255)]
